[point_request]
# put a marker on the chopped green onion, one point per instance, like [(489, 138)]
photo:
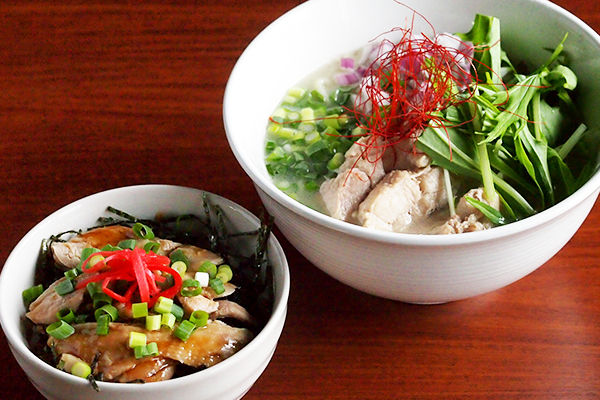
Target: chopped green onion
[(224, 273), (273, 127), (65, 287), (152, 349), (102, 325), (289, 133), (153, 322), (293, 116), (95, 260), (177, 311), (100, 299), (289, 100), (278, 113), (140, 352), (281, 185), (336, 161), (81, 369), (332, 121), (199, 318), (136, 339), (152, 247), (142, 231), (185, 330), (311, 186), (312, 137), (127, 244), (190, 288), (72, 273), (87, 252), (316, 146), (307, 127), (316, 97), (276, 154), (32, 293), (107, 309), (94, 288), (163, 305), (66, 315), (139, 310), (168, 320), (60, 330), (307, 114), (110, 247), (180, 267), (208, 267), (296, 92), (217, 285), (178, 255)]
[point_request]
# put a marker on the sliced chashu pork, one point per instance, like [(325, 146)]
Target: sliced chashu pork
[(360, 172), (401, 198), (113, 358)]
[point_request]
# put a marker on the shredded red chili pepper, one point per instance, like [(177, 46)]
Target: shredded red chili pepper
[(142, 270), (406, 85)]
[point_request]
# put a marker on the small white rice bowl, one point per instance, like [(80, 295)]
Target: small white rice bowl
[(228, 380)]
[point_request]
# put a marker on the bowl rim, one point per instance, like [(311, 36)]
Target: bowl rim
[(17, 342), (590, 188)]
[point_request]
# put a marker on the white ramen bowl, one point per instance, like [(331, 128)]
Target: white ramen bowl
[(405, 267), (229, 380)]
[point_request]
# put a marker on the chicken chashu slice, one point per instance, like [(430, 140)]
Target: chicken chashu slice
[(68, 254), (360, 172), (364, 167), (402, 198), (404, 155), (44, 309), (467, 217), (116, 362)]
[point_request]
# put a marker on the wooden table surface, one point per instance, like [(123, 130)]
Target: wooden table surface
[(101, 94)]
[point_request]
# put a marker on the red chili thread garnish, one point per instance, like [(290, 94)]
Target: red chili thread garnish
[(407, 86), (141, 270)]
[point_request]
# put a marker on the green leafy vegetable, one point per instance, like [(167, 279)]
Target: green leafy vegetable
[(512, 122)]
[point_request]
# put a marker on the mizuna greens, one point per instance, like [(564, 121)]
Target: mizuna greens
[(511, 134)]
